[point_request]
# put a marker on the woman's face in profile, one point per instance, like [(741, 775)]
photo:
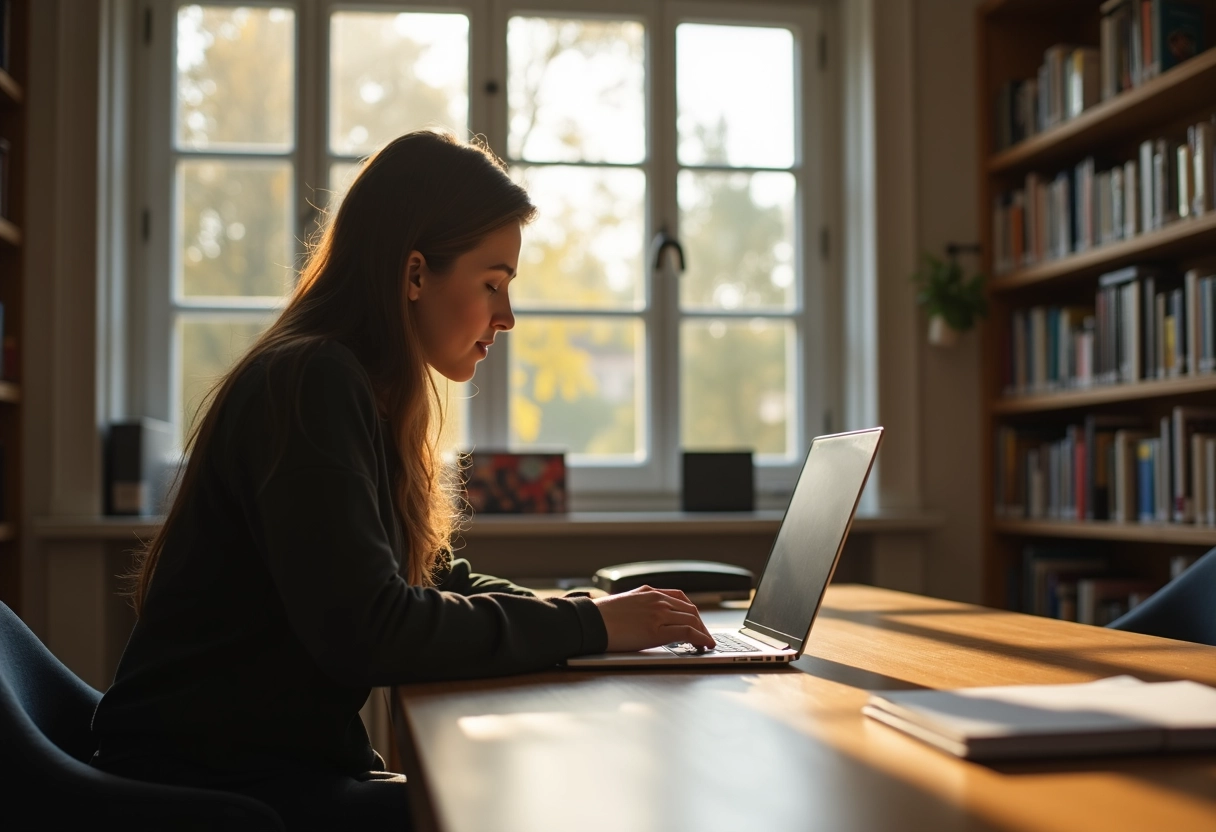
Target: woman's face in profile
[(458, 314)]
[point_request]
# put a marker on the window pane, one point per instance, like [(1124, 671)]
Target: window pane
[(234, 228), (578, 384), (584, 250), (737, 111), (209, 347), (235, 78), (393, 73), (341, 174), (737, 385), (738, 231), (576, 90)]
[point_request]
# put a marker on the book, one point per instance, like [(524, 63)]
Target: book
[(1083, 79), (1100, 433), (1126, 500), (1200, 136), (1186, 422), (1131, 200), (1116, 715), (1209, 462), (1147, 190), (1200, 475), (1165, 183), (1185, 185), (1101, 600), (1042, 568), (1146, 486), (1177, 33)]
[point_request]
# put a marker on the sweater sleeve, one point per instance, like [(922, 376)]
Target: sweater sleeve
[(460, 578), (318, 518)]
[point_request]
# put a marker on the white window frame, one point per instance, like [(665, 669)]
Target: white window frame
[(152, 365)]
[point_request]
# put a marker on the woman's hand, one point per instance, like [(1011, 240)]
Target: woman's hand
[(646, 617)]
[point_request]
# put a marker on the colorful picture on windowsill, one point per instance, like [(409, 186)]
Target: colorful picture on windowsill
[(508, 483)]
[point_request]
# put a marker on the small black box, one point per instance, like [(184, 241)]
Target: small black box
[(139, 464), (718, 481)]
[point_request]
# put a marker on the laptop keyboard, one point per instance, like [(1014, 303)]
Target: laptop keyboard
[(723, 643)]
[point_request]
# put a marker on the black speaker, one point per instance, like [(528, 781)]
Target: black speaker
[(139, 464), (718, 481)]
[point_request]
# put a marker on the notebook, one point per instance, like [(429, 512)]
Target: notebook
[(1116, 715)]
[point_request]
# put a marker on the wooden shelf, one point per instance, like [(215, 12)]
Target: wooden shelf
[(10, 90), (9, 233), (1106, 394), (996, 9), (1106, 530), (1011, 36), (10, 393), (1178, 239), (1182, 90)]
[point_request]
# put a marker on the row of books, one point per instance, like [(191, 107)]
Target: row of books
[(1111, 467), (1067, 84), (1075, 583), (1146, 323), (1138, 40), (1082, 208)]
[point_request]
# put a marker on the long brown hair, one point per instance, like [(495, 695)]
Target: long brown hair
[(426, 192)]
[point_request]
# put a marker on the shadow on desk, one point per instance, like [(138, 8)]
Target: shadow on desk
[(1033, 646), (854, 677)]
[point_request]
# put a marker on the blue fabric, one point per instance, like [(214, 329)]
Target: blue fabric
[(1184, 609), (45, 745)]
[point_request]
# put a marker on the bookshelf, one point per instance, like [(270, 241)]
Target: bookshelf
[(13, 77), (1013, 37)]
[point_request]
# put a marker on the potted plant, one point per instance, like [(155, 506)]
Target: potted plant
[(952, 301)]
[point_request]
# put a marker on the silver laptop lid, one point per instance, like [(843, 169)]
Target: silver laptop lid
[(812, 535)]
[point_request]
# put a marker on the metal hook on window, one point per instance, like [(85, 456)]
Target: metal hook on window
[(661, 242)]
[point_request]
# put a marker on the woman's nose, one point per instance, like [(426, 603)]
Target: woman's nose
[(504, 319)]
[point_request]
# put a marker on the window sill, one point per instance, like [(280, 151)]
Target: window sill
[(573, 524)]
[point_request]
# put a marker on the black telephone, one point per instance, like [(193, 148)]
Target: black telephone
[(700, 580)]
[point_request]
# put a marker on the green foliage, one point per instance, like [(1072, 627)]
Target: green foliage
[(943, 290)]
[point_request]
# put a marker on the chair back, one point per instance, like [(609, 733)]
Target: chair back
[(1184, 609), (37, 686), (45, 744)]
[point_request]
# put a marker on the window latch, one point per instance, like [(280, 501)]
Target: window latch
[(659, 245)]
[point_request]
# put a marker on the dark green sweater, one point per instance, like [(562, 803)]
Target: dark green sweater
[(277, 603)]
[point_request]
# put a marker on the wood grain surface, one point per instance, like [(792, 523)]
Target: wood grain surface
[(788, 749)]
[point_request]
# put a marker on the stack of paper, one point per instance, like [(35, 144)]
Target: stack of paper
[(1116, 715)]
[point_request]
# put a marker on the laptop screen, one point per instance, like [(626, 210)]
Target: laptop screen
[(804, 553)]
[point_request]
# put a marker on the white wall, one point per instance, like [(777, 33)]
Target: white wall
[(946, 204)]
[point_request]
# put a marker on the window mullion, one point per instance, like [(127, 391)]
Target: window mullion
[(488, 409), (157, 213), (665, 286)]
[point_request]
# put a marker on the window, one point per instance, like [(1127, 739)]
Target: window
[(625, 120)]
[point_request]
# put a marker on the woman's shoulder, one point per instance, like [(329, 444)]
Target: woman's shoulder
[(324, 363), (320, 377)]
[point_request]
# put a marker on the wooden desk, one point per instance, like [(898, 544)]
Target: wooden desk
[(788, 749)]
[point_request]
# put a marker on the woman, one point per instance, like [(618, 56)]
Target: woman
[(305, 557)]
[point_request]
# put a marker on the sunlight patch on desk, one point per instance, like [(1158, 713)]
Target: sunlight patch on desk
[(543, 725)]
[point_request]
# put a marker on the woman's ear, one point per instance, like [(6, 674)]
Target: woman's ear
[(415, 274)]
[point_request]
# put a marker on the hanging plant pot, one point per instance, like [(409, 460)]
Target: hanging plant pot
[(941, 334)]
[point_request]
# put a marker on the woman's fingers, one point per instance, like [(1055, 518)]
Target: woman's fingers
[(646, 617)]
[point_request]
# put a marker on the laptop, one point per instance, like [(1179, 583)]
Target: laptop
[(799, 567)]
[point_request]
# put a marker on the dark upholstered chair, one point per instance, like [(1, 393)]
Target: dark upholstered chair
[(1183, 609), (45, 745)]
